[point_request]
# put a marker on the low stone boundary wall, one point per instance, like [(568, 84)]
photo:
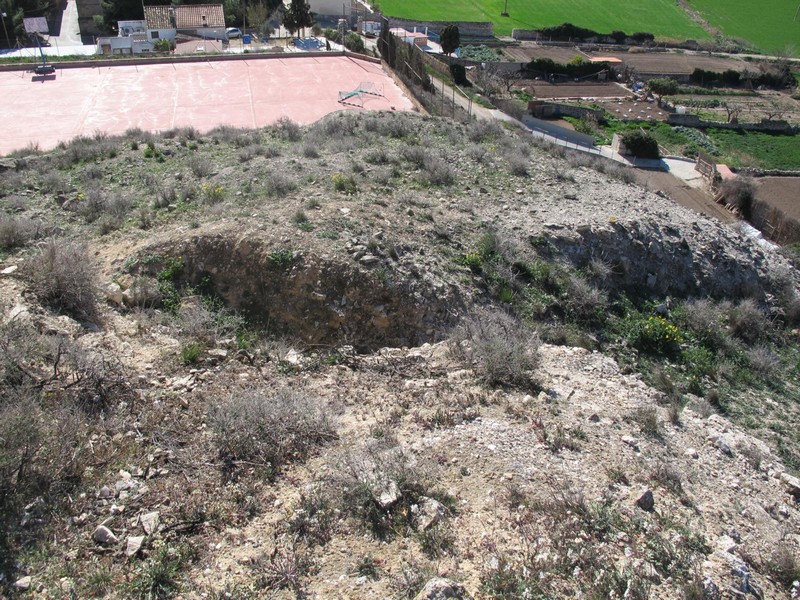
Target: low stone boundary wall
[(751, 172)]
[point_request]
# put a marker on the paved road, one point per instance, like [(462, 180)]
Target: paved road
[(70, 33)]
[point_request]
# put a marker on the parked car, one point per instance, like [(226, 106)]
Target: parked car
[(233, 32)]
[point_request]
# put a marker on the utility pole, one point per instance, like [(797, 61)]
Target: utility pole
[(8, 39), (505, 10)]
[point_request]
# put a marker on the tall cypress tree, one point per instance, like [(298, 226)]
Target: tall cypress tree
[(298, 16)]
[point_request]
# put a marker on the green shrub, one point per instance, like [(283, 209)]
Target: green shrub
[(700, 362), (354, 43), (344, 183), (640, 144), (657, 335), (191, 352), (459, 74), (282, 257), (160, 576)]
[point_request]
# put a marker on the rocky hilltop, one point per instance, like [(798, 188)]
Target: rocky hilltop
[(386, 356)]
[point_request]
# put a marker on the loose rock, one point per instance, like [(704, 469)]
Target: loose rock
[(103, 535), (440, 588), (149, 522), (429, 513), (23, 583), (646, 501), (134, 545)]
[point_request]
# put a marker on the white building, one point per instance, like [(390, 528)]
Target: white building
[(191, 20), (174, 24), (131, 39)]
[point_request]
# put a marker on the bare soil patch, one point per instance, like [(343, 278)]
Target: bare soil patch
[(578, 90), (782, 193), (692, 198), (648, 62)]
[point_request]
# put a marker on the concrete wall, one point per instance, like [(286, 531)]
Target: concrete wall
[(131, 27), (161, 34), (209, 33), (115, 45), (122, 45)]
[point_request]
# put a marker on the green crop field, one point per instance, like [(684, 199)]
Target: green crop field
[(769, 24), (663, 18), (734, 148), (762, 150)]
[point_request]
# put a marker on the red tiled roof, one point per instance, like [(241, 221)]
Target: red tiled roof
[(189, 16), (725, 172)]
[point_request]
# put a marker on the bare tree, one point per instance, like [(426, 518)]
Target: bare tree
[(733, 111), (486, 80), (774, 110), (508, 79)]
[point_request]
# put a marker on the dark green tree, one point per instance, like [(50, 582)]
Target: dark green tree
[(640, 144), (662, 87), (298, 16), (258, 16), (450, 39), (16, 11)]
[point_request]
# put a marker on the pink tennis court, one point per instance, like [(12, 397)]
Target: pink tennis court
[(241, 93)]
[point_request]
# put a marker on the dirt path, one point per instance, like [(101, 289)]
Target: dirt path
[(682, 193)]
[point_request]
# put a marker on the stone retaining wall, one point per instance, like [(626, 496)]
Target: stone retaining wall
[(764, 125)]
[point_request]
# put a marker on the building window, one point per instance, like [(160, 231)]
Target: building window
[(153, 35)]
